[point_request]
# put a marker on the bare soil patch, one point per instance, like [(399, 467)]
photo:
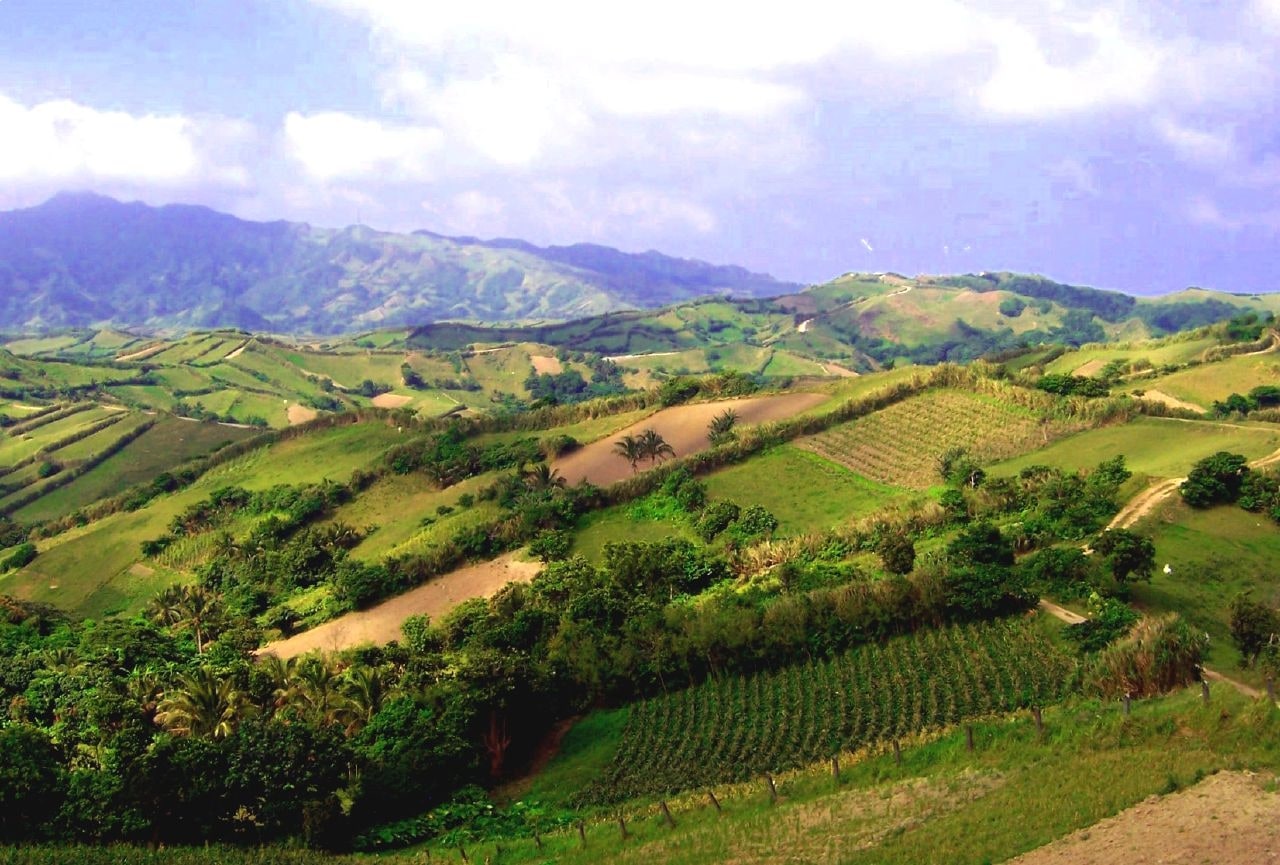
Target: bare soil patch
[(1090, 369), (1171, 401), (837, 369), (1144, 503), (300, 414), (618, 357), (1228, 817), (145, 352), (685, 429), (237, 351), (391, 400), (543, 363), (381, 624)]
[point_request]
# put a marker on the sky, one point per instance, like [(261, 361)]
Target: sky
[(1124, 145)]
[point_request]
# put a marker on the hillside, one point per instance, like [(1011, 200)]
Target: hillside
[(81, 260), (505, 628)]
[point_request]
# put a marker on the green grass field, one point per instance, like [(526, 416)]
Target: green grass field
[(1214, 554), (1206, 383), (1156, 447), (804, 491), (166, 445), (1158, 352)]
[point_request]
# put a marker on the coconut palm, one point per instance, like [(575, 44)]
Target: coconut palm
[(316, 689), (366, 690), (164, 608), (654, 447), (200, 610), (542, 478), (202, 704), (720, 430), (628, 447), (281, 672)]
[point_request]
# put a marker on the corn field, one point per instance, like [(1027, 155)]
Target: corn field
[(741, 727)]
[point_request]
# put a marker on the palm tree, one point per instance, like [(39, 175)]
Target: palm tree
[(720, 430), (628, 447), (654, 447), (366, 691), (164, 608), (201, 611), (202, 705), (316, 687), (281, 672), (542, 478)]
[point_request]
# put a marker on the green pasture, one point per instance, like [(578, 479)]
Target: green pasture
[(804, 491), (1156, 447)]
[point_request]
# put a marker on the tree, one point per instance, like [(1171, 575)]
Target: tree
[(654, 447), (542, 478), (897, 552), (200, 611), (628, 447), (203, 704), (1215, 480), (365, 690), (1129, 555), (31, 781), (721, 429), (1253, 626)]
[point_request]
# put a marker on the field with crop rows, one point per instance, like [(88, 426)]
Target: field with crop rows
[(900, 444), (740, 727)]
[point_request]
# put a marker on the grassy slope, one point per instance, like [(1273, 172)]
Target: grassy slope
[(1158, 447), (1205, 383), (943, 803), (169, 443), (1214, 555), (98, 568), (804, 491)]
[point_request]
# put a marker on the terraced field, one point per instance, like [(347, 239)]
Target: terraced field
[(899, 445)]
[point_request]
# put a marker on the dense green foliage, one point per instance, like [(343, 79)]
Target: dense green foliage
[(736, 728)]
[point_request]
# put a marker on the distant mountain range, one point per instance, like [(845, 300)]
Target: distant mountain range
[(82, 260)]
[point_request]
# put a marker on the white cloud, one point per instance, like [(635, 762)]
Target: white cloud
[(62, 140), (333, 145), (1198, 145), (1115, 69)]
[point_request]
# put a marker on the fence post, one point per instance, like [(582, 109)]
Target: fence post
[(968, 737), (1039, 716), (666, 813), (582, 833), (537, 840), (1127, 705), (835, 768), (1271, 688), (897, 753), (773, 788), (1204, 689), (715, 803), (462, 851)]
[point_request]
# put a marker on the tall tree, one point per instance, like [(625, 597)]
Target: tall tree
[(203, 704), (628, 447), (654, 447)]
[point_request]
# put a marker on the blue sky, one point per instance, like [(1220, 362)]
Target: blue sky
[(1126, 145)]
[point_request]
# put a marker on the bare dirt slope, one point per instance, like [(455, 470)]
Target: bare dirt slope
[(392, 400), (685, 429), (1171, 401), (1226, 818), (381, 624), (543, 363)]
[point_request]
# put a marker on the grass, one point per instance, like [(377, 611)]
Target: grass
[(1159, 352), (89, 571), (943, 803), (585, 752), (1156, 447), (166, 445), (804, 491), (617, 524), (1214, 554), (1206, 383)]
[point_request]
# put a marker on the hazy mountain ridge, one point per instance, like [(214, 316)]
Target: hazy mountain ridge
[(83, 259)]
